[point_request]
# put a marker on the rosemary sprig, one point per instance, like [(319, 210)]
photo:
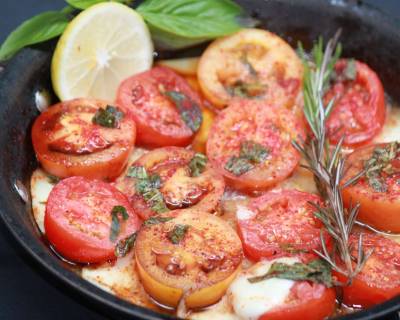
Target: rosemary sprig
[(328, 164)]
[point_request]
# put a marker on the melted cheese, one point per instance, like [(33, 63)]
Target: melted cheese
[(251, 300)]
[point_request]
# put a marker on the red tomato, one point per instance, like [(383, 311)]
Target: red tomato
[(67, 142), (307, 300), (379, 280), (272, 128), (78, 219), (380, 209), (280, 223), (178, 188), (359, 110), (160, 122)]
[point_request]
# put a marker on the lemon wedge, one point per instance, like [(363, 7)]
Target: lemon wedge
[(101, 46)]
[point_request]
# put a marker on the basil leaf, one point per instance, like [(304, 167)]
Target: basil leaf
[(189, 110), (182, 23), (124, 246), (84, 4), (109, 117), (238, 165), (317, 271), (177, 234), (40, 28), (156, 220), (197, 164), (116, 212)]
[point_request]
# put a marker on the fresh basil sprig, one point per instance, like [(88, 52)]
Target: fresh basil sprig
[(183, 23)]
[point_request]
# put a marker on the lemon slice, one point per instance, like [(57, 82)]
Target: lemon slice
[(101, 46)]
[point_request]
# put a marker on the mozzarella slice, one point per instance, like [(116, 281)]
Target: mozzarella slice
[(40, 189), (252, 300)]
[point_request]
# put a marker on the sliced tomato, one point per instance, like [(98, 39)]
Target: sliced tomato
[(68, 143), (254, 121), (252, 64), (179, 189), (379, 280), (78, 219), (359, 109), (280, 223), (379, 208), (164, 106), (306, 301)]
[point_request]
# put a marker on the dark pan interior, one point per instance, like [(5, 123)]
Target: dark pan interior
[(367, 35)]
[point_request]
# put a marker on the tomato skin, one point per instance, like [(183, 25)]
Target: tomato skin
[(78, 219), (274, 128), (178, 188), (103, 156), (277, 220), (157, 118), (379, 280), (378, 209), (314, 302), (359, 110)]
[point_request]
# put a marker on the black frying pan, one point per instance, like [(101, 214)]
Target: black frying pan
[(367, 35)]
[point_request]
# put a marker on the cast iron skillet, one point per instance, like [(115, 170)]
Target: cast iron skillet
[(367, 35)]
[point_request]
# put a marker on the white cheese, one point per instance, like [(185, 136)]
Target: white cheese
[(252, 300)]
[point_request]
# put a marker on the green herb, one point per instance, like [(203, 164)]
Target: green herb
[(177, 234), (350, 72), (182, 23), (249, 90), (109, 117), (147, 186), (116, 213), (250, 153), (197, 164), (124, 246), (53, 179), (252, 71), (327, 164), (84, 4), (317, 271), (40, 28), (189, 110), (156, 220), (380, 162)]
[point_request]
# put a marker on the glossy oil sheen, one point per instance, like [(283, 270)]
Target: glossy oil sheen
[(367, 35)]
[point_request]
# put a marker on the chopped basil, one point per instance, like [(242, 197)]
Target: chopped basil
[(197, 164), (350, 72), (249, 90), (109, 117), (156, 220), (177, 234), (125, 245), (245, 61), (250, 153), (53, 179), (116, 213), (317, 271), (148, 186), (189, 110), (380, 162)]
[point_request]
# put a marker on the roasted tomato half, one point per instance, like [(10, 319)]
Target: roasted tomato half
[(172, 178), (250, 143), (274, 298), (359, 109), (251, 64), (83, 137), (379, 280), (280, 223), (164, 106), (85, 219), (378, 191), (195, 255)]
